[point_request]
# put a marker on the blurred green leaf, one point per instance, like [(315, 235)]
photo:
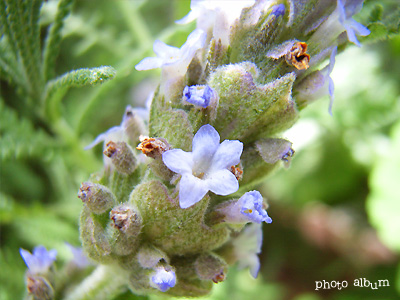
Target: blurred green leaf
[(383, 205), (19, 137)]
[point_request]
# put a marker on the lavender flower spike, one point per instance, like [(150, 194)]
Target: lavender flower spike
[(40, 261), (163, 279), (199, 95), (178, 58), (206, 168), (249, 208), (247, 246)]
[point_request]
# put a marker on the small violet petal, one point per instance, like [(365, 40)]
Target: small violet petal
[(41, 259), (227, 155), (163, 279), (252, 208), (204, 145), (222, 182), (278, 10), (199, 95), (191, 190), (178, 161)]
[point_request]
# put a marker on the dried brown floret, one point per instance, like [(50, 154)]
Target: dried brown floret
[(298, 57), (153, 147)]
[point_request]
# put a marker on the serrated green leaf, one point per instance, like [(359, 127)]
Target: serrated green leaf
[(53, 40), (20, 14)]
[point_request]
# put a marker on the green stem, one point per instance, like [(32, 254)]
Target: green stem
[(135, 21), (102, 284)]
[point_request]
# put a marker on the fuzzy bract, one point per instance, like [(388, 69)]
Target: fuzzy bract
[(206, 167)]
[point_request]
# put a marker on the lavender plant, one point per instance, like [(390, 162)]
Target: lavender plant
[(175, 205)]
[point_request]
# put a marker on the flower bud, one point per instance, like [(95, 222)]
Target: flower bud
[(133, 125), (249, 208), (149, 256), (125, 228), (211, 267), (121, 156), (273, 150), (39, 287), (93, 237), (96, 197)]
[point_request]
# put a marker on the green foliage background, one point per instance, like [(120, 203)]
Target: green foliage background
[(336, 210)]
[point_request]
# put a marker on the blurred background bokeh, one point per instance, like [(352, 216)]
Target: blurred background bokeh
[(336, 210)]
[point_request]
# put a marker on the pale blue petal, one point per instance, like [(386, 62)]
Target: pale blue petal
[(195, 41), (254, 265), (278, 10), (342, 12), (352, 7), (252, 208), (164, 280), (331, 95), (190, 17), (359, 28), (163, 50), (227, 155), (351, 35), (332, 60), (222, 182), (116, 130), (149, 63), (40, 260), (205, 143), (178, 161), (191, 190)]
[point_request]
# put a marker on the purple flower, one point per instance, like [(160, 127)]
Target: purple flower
[(346, 11), (41, 259), (249, 208), (206, 168), (278, 10), (176, 58), (199, 95), (79, 257), (247, 246), (163, 279)]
